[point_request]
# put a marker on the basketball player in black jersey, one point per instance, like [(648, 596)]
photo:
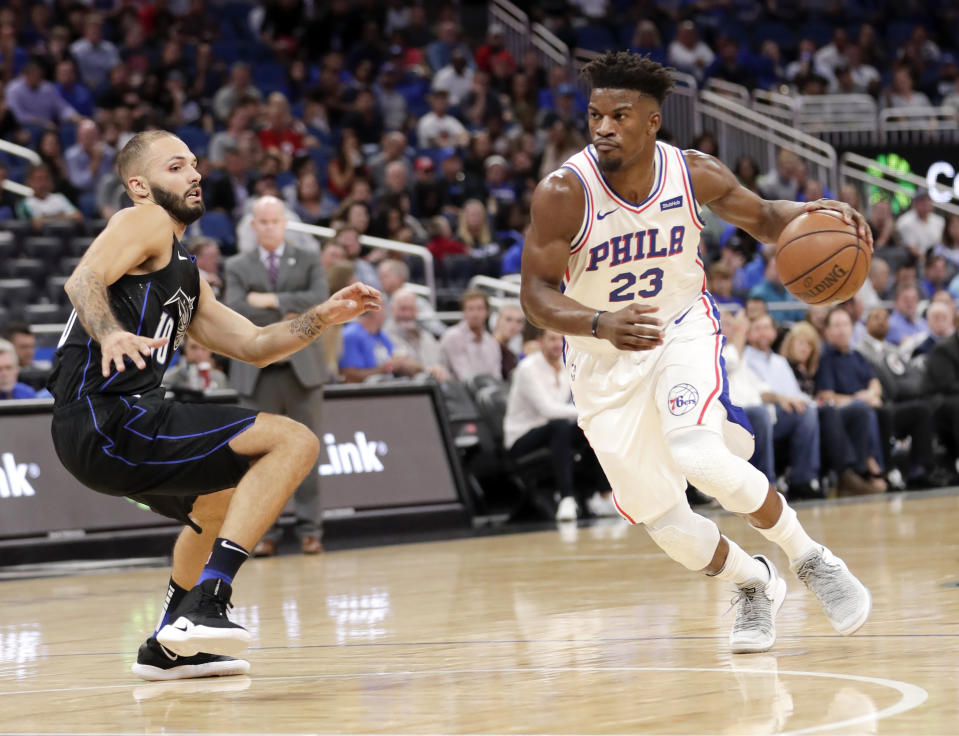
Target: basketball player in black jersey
[(224, 471)]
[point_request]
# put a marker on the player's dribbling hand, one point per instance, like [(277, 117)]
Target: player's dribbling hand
[(117, 345), (631, 328), (850, 216), (350, 302)]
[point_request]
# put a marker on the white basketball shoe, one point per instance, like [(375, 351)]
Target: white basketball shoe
[(845, 601), (754, 629)]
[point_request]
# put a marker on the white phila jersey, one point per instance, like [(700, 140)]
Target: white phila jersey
[(627, 252)]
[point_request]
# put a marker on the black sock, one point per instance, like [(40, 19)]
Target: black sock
[(174, 596), (224, 562)]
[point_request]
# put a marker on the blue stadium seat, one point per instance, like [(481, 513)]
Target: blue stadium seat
[(68, 135), (271, 77), (818, 30), (195, 137), (218, 226), (596, 38), (774, 30), (898, 32), (228, 50)]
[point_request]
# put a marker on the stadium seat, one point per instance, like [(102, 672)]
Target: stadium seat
[(68, 135), (218, 226), (773, 30), (43, 248), (8, 248), (196, 138), (93, 227), (54, 288), (78, 246), (62, 230), (67, 264), (596, 38), (818, 30), (271, 77), (481, 380), (15, 292), (45, 314), (29, 268)]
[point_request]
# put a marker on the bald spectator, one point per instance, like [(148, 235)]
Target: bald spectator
[(283, 134), (468, 348), (418, 348), (781, 182), (396, 180), (920, 227), (941, 321), (240, 86), (89, 159), (95, 56), (35, 101), (392, 149), (367, 351), (688, 53), (456, 78), (905, 319), (493, 54)]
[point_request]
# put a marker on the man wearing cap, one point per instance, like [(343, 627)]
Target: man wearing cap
[(427, 192), (440, 52), (499, 187), (456, 78), (920, 227), (439, 129), (564, 109)]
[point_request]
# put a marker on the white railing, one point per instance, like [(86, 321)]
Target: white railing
[(515, 24), (728, 89), (918, 125), (15, 150), (838, 119), (742, 131), (777, 106), (681, 110), (866, 173), (417, 251), (551, 50)]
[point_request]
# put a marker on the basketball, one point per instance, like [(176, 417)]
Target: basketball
[(821, 259)]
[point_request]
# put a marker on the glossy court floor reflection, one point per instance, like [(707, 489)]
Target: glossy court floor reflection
[(588, 630)]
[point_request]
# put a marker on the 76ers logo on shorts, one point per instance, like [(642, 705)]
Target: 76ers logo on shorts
[(682, 398)]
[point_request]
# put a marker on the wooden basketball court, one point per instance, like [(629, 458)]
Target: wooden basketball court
[(573, 631)]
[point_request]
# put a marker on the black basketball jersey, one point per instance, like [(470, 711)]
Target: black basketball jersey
[(158, 304)]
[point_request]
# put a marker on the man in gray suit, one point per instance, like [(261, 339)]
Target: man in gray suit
[(275, 281)]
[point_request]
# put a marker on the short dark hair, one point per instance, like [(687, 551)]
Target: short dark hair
[(623, 70), (131, 155), (15, 328)]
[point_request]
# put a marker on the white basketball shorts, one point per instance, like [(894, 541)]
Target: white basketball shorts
[(628, 403)]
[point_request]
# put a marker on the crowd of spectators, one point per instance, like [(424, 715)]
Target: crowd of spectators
[(414, 122)]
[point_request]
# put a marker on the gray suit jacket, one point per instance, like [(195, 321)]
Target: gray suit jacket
[(300, 284)]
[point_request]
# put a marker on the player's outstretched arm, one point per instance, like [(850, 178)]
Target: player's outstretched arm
[(556, 215), (131, 238), (764, 219), (229, 333)]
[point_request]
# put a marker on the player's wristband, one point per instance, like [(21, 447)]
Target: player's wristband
[(596, 321)]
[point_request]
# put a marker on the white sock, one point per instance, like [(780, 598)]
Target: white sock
[(788, 534), (740, 568)]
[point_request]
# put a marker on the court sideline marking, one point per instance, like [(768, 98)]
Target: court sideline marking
[(912, 695)]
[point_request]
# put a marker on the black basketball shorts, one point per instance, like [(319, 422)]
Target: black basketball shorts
[(157, 452)]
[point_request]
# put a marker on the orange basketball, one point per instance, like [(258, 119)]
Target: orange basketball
[(821, 259)]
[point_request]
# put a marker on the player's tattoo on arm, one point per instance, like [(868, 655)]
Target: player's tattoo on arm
[(308, 325), (88, 292)]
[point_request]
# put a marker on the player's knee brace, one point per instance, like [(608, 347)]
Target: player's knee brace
[(708, 464), (684, 535)]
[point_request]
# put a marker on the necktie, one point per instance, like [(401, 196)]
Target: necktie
[(271, 268)]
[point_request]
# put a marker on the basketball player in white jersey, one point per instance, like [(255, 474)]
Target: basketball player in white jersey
[(611, 261)]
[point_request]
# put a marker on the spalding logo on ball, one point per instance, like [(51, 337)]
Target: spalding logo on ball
[(821, 259)]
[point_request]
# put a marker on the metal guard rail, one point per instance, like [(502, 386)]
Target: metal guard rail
[(417, 251)]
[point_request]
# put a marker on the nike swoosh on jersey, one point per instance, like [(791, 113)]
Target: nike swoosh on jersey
[(601, 215)]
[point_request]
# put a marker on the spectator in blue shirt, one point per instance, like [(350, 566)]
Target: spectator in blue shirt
[(367, 351), (76, 94), (845, 376), (35, 101), (10, 387), (89, 159), (905, 319), (771, 289)]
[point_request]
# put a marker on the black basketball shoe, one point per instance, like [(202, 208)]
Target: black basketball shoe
[(199, 623), (155, 662)]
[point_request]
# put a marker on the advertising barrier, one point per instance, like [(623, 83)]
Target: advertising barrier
[(385, 449)]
